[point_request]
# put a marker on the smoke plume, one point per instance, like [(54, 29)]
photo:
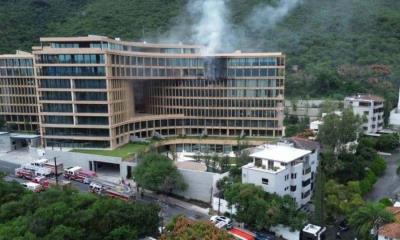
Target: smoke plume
[(209, 23), (265, 17), (212, 23)]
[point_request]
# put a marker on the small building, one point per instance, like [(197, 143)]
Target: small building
[(283, 169), (391, 231), (370, 108), (394, 119), (314, 126)]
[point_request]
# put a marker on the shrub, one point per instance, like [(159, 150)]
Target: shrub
[(386, 201), (378, 166)]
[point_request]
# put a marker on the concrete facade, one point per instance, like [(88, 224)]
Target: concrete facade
[(18, 98), (370, 109), (5, 142), (291, 173), (98, 92)]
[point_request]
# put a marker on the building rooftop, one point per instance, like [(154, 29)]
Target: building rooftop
[(280, 153), (392, 230), (18, 54), (191, 165), (303, 143), (365, 97), (312, 229)]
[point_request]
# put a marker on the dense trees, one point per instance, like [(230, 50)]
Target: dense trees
[(369, 217), (158, 173), (261, 210), (68, 214), (183, 228), (337, 130)]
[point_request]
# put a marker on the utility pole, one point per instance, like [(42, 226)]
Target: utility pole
[(56, 170)]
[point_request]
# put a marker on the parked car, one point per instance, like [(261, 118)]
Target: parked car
[(222, 221), (217, 218), (265, 236)]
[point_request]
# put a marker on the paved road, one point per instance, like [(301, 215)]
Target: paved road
[(389, 184), (169, 210), (8, 167)]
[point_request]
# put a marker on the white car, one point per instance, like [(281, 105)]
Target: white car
[(217, 219), (221, 222)]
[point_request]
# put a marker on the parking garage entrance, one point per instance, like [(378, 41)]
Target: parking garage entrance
[(106, 170), (23, 141)]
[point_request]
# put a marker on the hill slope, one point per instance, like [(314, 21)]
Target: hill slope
[(334, 48)]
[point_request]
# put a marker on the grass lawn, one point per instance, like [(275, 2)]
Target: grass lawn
[(124, 152)]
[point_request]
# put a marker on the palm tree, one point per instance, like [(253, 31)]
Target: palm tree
[(370, 217)]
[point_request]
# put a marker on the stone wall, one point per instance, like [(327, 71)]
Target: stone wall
[(5, 142)]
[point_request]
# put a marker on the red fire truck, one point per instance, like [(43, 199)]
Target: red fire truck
[(113, 191), (79, 175), (51, 182), (24, 173)]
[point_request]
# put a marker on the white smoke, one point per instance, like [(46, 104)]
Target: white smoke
[(265, 17), (212, 23), (208, 23)]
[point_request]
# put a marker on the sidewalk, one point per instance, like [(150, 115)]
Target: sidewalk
[(178, 202)]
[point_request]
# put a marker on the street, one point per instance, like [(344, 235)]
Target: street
[(387, 185), (169, 210)]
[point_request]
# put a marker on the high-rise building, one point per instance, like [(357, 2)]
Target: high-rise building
[(18, 99), (98, 92)]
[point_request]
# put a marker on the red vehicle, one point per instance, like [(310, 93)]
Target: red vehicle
[(24, 173), (78, 174), (46, 164), (241, 234), (50, 182), (119, 195), (112, 191)]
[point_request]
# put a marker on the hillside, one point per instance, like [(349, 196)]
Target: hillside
[(334, 48)]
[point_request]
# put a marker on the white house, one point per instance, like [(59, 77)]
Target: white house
[(283, 169), (370, 108), (394, 119)]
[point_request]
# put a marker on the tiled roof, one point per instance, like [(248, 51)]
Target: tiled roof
[(392, 230)]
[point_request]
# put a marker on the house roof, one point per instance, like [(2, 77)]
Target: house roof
[(303, 143), (191, 165), (365, 97), (280, 153), (392, 230)]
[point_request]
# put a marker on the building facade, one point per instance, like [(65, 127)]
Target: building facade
[(97, 92), (370, 109), (18, 99), (394, 119), (284, 169)]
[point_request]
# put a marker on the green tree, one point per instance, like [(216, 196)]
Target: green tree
[(243, 158), (319, 197), (224, 164), (261, 210), (387, 142), (68, 214), (368, 217), (158, 173), (182, 228), (339, 130)]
